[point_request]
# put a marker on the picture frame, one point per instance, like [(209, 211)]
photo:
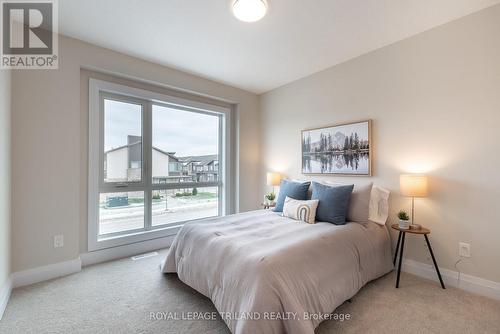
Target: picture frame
[(340, 149)]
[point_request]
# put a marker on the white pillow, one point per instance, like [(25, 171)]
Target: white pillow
[(300, 210), (379, 205)]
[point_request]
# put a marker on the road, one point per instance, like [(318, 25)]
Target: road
[(132, 217)]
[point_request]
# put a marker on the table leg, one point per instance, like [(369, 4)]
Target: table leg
[(400, 258), (397, 249), (434, 261)]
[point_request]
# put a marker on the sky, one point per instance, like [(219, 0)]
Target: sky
[(185, 133)]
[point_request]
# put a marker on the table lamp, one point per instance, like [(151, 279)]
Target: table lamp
[(273, 179), (413, 185)]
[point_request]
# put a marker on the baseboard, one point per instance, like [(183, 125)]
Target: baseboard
[(119, 252), (5, 291), (469, 283), (44, 273)]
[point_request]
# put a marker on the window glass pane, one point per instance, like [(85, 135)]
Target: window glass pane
[(122, 141), (119, 212), (185, 146), (177, 205)]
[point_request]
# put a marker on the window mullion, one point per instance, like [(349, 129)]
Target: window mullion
[(148, 164), (222, 209)]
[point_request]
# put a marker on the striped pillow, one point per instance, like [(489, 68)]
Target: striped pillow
[(300, 210)]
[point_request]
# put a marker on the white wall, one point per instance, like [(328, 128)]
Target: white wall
[(435, 104), (5, 182), (50, 120)]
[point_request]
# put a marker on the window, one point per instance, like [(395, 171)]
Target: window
[(148, 157), (122, 139), (173, 167)]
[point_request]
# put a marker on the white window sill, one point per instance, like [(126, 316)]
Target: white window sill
[(124, 239)]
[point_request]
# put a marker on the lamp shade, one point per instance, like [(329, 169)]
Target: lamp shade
[(413, 185), (273, 179)]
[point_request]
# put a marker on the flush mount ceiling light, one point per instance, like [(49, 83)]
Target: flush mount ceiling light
[(249, 10)]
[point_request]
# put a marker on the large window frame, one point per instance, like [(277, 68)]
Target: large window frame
[(99, 91)]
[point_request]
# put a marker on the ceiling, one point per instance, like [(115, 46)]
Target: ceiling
[(296, 38)]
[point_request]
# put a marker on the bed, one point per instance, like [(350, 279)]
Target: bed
[(270, 274)]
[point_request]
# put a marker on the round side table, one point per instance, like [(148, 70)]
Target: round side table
[(401, 240), (268, 206)]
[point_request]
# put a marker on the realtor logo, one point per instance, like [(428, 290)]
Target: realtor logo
[(29, 37)]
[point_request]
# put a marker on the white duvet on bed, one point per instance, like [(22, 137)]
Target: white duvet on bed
[(262, 265)]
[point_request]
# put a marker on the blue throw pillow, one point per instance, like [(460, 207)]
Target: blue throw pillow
[(295, 190), (333, 202)]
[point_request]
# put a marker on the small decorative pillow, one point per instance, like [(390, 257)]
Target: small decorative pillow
[(300, 210)]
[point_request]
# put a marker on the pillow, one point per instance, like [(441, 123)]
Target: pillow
[(333, 202), (300, 210), (359, 204), (295, 190), (379, 205)]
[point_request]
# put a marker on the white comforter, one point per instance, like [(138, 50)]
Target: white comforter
[(263, 266)]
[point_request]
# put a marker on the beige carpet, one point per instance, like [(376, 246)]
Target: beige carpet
[(118, 297)]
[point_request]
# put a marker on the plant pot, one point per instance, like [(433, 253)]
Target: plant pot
[(268, 201), (404, 224)]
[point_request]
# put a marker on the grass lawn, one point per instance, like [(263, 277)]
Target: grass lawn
[(200, 195)]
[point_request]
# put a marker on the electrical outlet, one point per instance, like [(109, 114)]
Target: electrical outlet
[(58, 241), (463, 249)]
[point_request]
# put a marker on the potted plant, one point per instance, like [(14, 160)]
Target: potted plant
[(270, 198), (404, 220)]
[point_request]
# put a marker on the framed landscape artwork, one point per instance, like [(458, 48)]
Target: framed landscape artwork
[(343, 149)]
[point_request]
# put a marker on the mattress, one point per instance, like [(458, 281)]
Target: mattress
[(270, 274)]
